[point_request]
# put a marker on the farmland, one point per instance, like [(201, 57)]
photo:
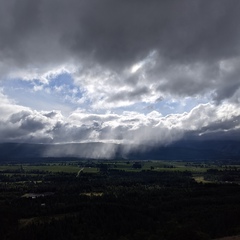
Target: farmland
[(119, 199)]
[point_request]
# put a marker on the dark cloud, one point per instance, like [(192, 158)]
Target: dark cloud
[(125, 31), (229, 82), (27, 121), (32, 124), (66, 132), (125, 95), (117, 34), (17, 117), (51, 114)]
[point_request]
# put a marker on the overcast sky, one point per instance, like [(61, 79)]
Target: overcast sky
[(125, 71)]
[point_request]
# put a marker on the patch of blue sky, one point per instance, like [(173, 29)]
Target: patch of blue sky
[(63, 84), (164, 107), (17, 84), (178, 106), (62, 94), (59, 94), (62, 79)]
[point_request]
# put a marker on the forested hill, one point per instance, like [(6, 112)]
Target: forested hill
[(192, 150), (182, 150)]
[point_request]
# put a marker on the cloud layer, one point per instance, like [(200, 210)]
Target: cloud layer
[(119, 54), (21, 124), (126, 51)]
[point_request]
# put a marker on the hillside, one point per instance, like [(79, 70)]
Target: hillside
[(182, 150)]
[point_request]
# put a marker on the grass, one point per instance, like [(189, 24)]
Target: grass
[(154, 165), (230, 238), (200, 179), (46, 168), (9, 167), (24, 222), (52, 168), (92, 194), (90, 170)]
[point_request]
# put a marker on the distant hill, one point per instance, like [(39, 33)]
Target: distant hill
[(12, 151), (192, 150), (182, 150)]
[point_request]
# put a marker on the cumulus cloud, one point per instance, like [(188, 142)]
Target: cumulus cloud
[(8, 106), (128, 128)]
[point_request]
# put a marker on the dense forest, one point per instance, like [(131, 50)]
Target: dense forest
[(116, 204)]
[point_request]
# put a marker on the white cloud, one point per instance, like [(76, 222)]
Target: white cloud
[(134, 127)]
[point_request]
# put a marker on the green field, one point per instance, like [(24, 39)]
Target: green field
[(46, 168), (154, 165), (52, 168), (157, 165), (198, 170)]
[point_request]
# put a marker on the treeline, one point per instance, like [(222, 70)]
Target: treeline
[(230, 174), (119, 205)]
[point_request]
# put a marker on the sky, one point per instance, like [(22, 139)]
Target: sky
[(119, 71)]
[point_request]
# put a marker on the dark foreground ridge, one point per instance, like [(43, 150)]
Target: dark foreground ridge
[(182, 150)]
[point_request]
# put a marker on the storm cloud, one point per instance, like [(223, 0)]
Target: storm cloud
[(120, 54), (182, 48)]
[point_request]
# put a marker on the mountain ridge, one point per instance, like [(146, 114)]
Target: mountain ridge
[(181, 150)]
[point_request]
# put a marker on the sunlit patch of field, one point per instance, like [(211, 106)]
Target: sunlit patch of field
[(24, 222), (200, 179), (229, 238), (92, 194)]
